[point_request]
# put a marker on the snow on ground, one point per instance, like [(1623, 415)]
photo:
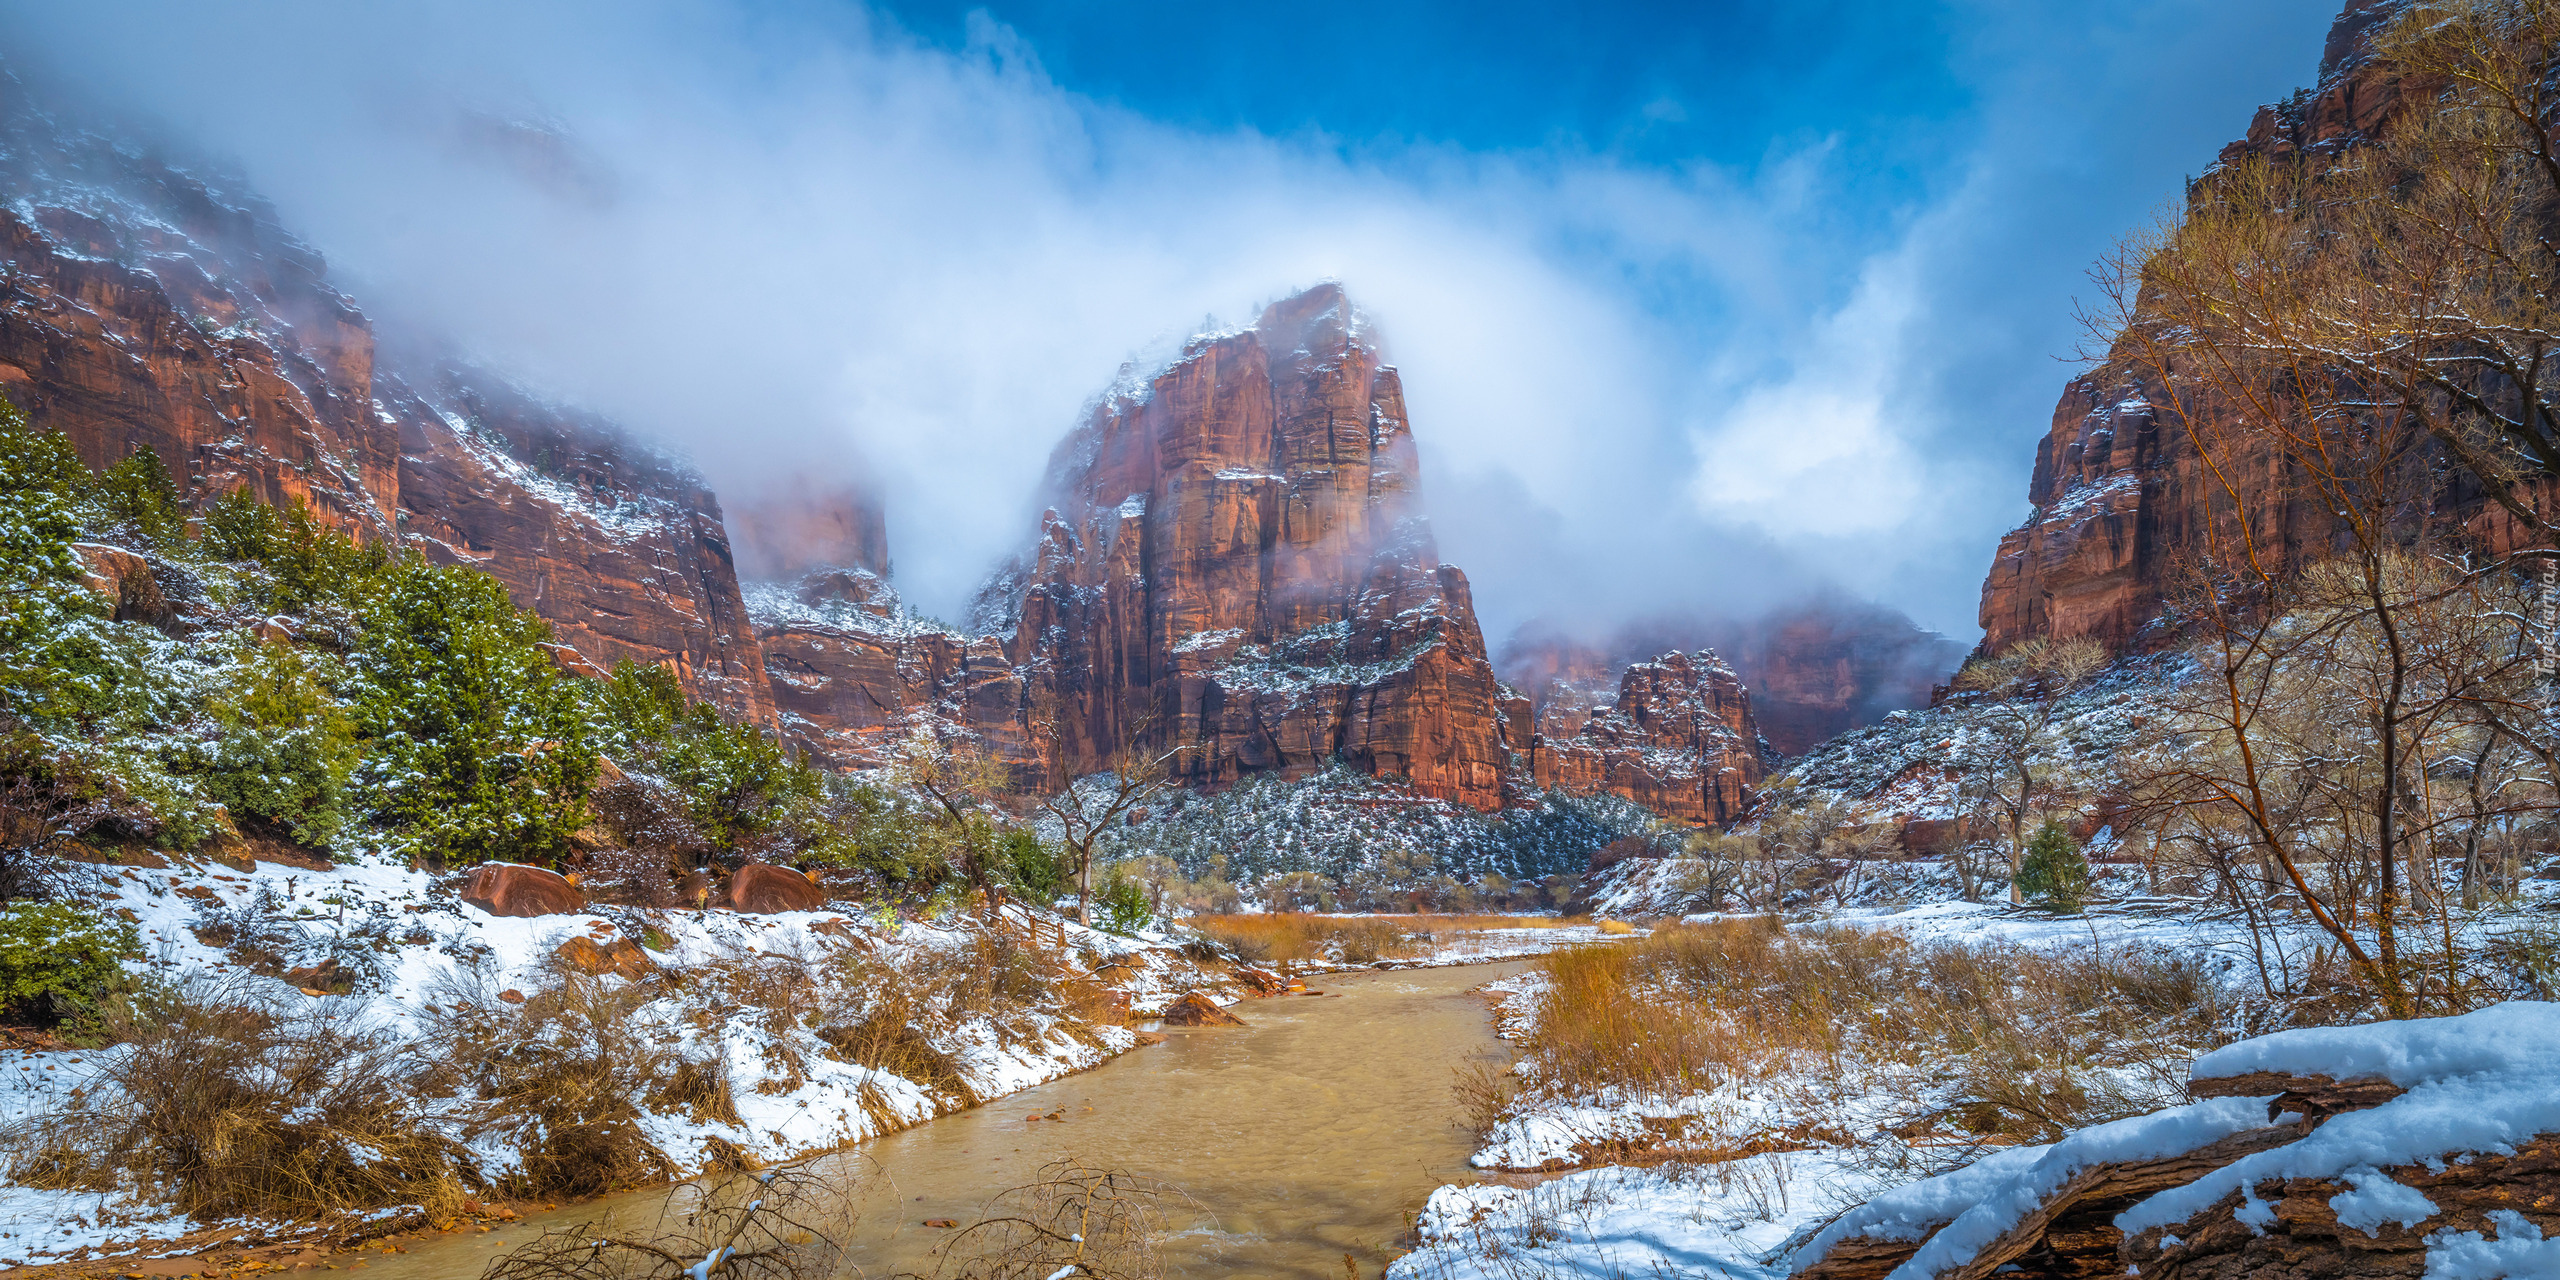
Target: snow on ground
[(1978, 1205), (409, 943), (2477, 1083), (1727, 1219), (1482, 946)]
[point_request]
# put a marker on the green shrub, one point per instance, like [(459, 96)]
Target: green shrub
[(1123, 899), (888, 837), (739, 785), (39, 578), (2052, 874), (1040, 870), (56, 958), (475, 742), (286, 744), (304, 561), (136, 502)]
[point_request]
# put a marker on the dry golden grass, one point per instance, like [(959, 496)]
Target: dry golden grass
[(231, 1100), (1289, 937), (2033, 1041)]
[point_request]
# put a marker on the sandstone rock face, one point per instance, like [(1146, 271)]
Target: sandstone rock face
[(149, 305), (513, 889), (125, 582), (802, 527), (761, 888), (1234, 566), (1818, 670), (1676, 736), (2120, 492)]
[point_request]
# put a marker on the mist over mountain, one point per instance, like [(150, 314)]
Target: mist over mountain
[(1678, 355)]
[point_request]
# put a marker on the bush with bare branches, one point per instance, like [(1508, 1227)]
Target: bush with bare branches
[(1076, 1220), (788, 1223)]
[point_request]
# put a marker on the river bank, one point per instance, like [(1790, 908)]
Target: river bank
[(768, 1001), (1309, 1135)]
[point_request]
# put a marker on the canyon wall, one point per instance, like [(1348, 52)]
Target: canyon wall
[(149, 303), (1675, 734), (2121, 495), (1234, 565)]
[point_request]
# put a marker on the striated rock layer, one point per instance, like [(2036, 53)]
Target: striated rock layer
[(1675, 735), (148, 304), (1234, 565)]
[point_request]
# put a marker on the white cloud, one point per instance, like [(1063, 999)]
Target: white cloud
[(795, 241), (1818, 452)]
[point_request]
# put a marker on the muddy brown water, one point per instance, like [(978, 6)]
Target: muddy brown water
[(1312, 1132)]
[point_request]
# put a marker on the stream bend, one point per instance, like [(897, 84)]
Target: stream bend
[(1312, 1132)]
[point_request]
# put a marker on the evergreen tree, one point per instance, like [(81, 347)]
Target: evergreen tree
[(476, 742), (136, 502), (2053, 874), (738, 783)]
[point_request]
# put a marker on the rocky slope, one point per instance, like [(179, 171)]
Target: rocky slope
[(2120, 494), (146, 302)]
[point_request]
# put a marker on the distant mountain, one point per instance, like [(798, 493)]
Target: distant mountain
[(1814, 670)]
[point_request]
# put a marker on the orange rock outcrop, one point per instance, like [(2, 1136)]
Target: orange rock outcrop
[(2121, 494)]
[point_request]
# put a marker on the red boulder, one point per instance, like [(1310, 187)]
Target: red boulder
[(512, 889), (615, 955), (763, 888), (1197, 1010)]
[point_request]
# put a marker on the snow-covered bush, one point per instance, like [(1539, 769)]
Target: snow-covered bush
[(280, 745), (57, 958)]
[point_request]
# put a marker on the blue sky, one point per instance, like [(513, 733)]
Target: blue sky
[(1699, 307), (1657, 83)]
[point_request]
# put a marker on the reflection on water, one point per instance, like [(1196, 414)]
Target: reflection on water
[(1311, 1133)]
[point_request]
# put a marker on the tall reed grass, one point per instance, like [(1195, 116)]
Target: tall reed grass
[(1978, 1038)]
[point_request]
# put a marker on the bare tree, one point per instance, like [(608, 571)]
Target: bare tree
[(1086, 808), (2327, 329), (2019, 696), (963, 782), (788, 1223), (40, 820)]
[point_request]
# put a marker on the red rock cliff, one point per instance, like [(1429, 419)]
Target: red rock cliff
[(2120, 494), (1815, 669), (1233, 564), (145, 303), (1675, 735)]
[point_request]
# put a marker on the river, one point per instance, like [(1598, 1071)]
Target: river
[(1312, 1132)]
